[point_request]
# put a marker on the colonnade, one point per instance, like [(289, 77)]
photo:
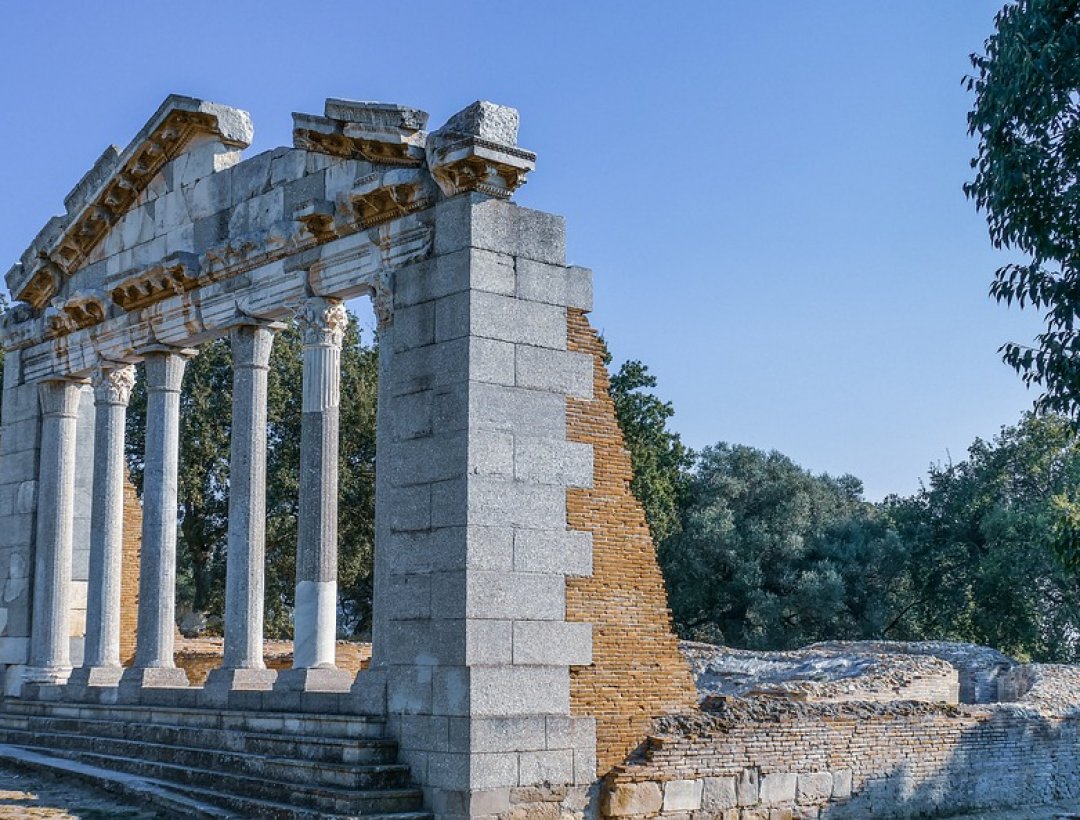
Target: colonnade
[(322, 323)]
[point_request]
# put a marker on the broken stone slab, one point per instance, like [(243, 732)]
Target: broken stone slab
[(487, 120), (388, 115)]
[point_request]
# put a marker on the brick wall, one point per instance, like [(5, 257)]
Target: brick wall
[(782, 759), (637, 671), (129, 572)]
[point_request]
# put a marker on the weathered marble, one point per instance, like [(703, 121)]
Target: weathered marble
[(49, 649), (242, 665), (101, 655), (154, 665)]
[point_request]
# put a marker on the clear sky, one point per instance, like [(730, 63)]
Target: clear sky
[(768, 193)]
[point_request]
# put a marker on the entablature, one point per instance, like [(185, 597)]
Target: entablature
[(166, 231)]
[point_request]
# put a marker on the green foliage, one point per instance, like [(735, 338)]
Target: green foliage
[(1027, 119), (982, 537), (660, 460), (206, 410), (772, 557)]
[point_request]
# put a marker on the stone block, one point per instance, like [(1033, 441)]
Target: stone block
[(515, 320), (814, 787), (450, 690), (633, 799), (12, 371), (570, 732), (490, 224), (682, 795), (14, 650), (841, 783), (428, 732), (519, 690), (489, 643), (414, 326), (514, 595), (579, 288), (541, 282), (515, 410), (424, 643), (493, 501), (491, 453), (429, 459), (408, 596), (777, 788), (497, 734), (409, 508), (208, 195), (568, 552), (560, 371), (552, 643), (553, 461), (719, 793), (408, 690), (20, 404), (411, 416), (585, 766), (555, 766), (747, 787)]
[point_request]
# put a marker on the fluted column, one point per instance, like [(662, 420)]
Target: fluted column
[(154, 643), (242, 666), (50, 657), (322, 322), (101, 656)]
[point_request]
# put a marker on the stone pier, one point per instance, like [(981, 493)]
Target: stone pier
[(486, 512)]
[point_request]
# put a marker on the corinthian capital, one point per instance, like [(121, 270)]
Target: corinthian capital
[(113, 384), (323, 322)]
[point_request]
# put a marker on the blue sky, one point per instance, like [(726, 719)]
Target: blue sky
[(768, 193)]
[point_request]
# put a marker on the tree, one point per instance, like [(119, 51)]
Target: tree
[(660, 460), (773, 557), (981, 538), (206, 410), (1027, 180)]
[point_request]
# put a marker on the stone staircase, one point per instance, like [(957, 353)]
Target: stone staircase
[(218, 763)]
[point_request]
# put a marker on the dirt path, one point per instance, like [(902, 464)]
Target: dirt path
[(27, 794)]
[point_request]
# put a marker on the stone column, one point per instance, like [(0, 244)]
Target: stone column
[(323, 323), (101, 656), (51, 631), (243, 667), (154, 646)]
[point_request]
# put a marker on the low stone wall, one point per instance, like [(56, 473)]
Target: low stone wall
[(770, 759)]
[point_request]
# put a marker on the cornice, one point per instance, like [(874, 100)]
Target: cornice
[(112, 187)]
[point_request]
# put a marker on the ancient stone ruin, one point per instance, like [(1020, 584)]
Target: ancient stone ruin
[(523, 663)]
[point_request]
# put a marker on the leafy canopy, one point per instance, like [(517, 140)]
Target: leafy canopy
[(1026, 117)]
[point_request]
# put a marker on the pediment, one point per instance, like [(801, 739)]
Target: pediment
[(181, 129), (171, 238)]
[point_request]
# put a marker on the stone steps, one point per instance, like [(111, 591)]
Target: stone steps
[(331, 751), (340, 775), (251, 764)]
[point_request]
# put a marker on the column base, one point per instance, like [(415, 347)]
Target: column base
[(314, 679), (240, 680), (136, 678), (44, 682), (87, 676), (47, 675)]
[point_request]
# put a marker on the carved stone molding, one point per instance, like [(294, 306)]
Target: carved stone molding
[(113, 383), (378, 198), (113, 186), (322, 321), (381, 133), (176, 273)]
